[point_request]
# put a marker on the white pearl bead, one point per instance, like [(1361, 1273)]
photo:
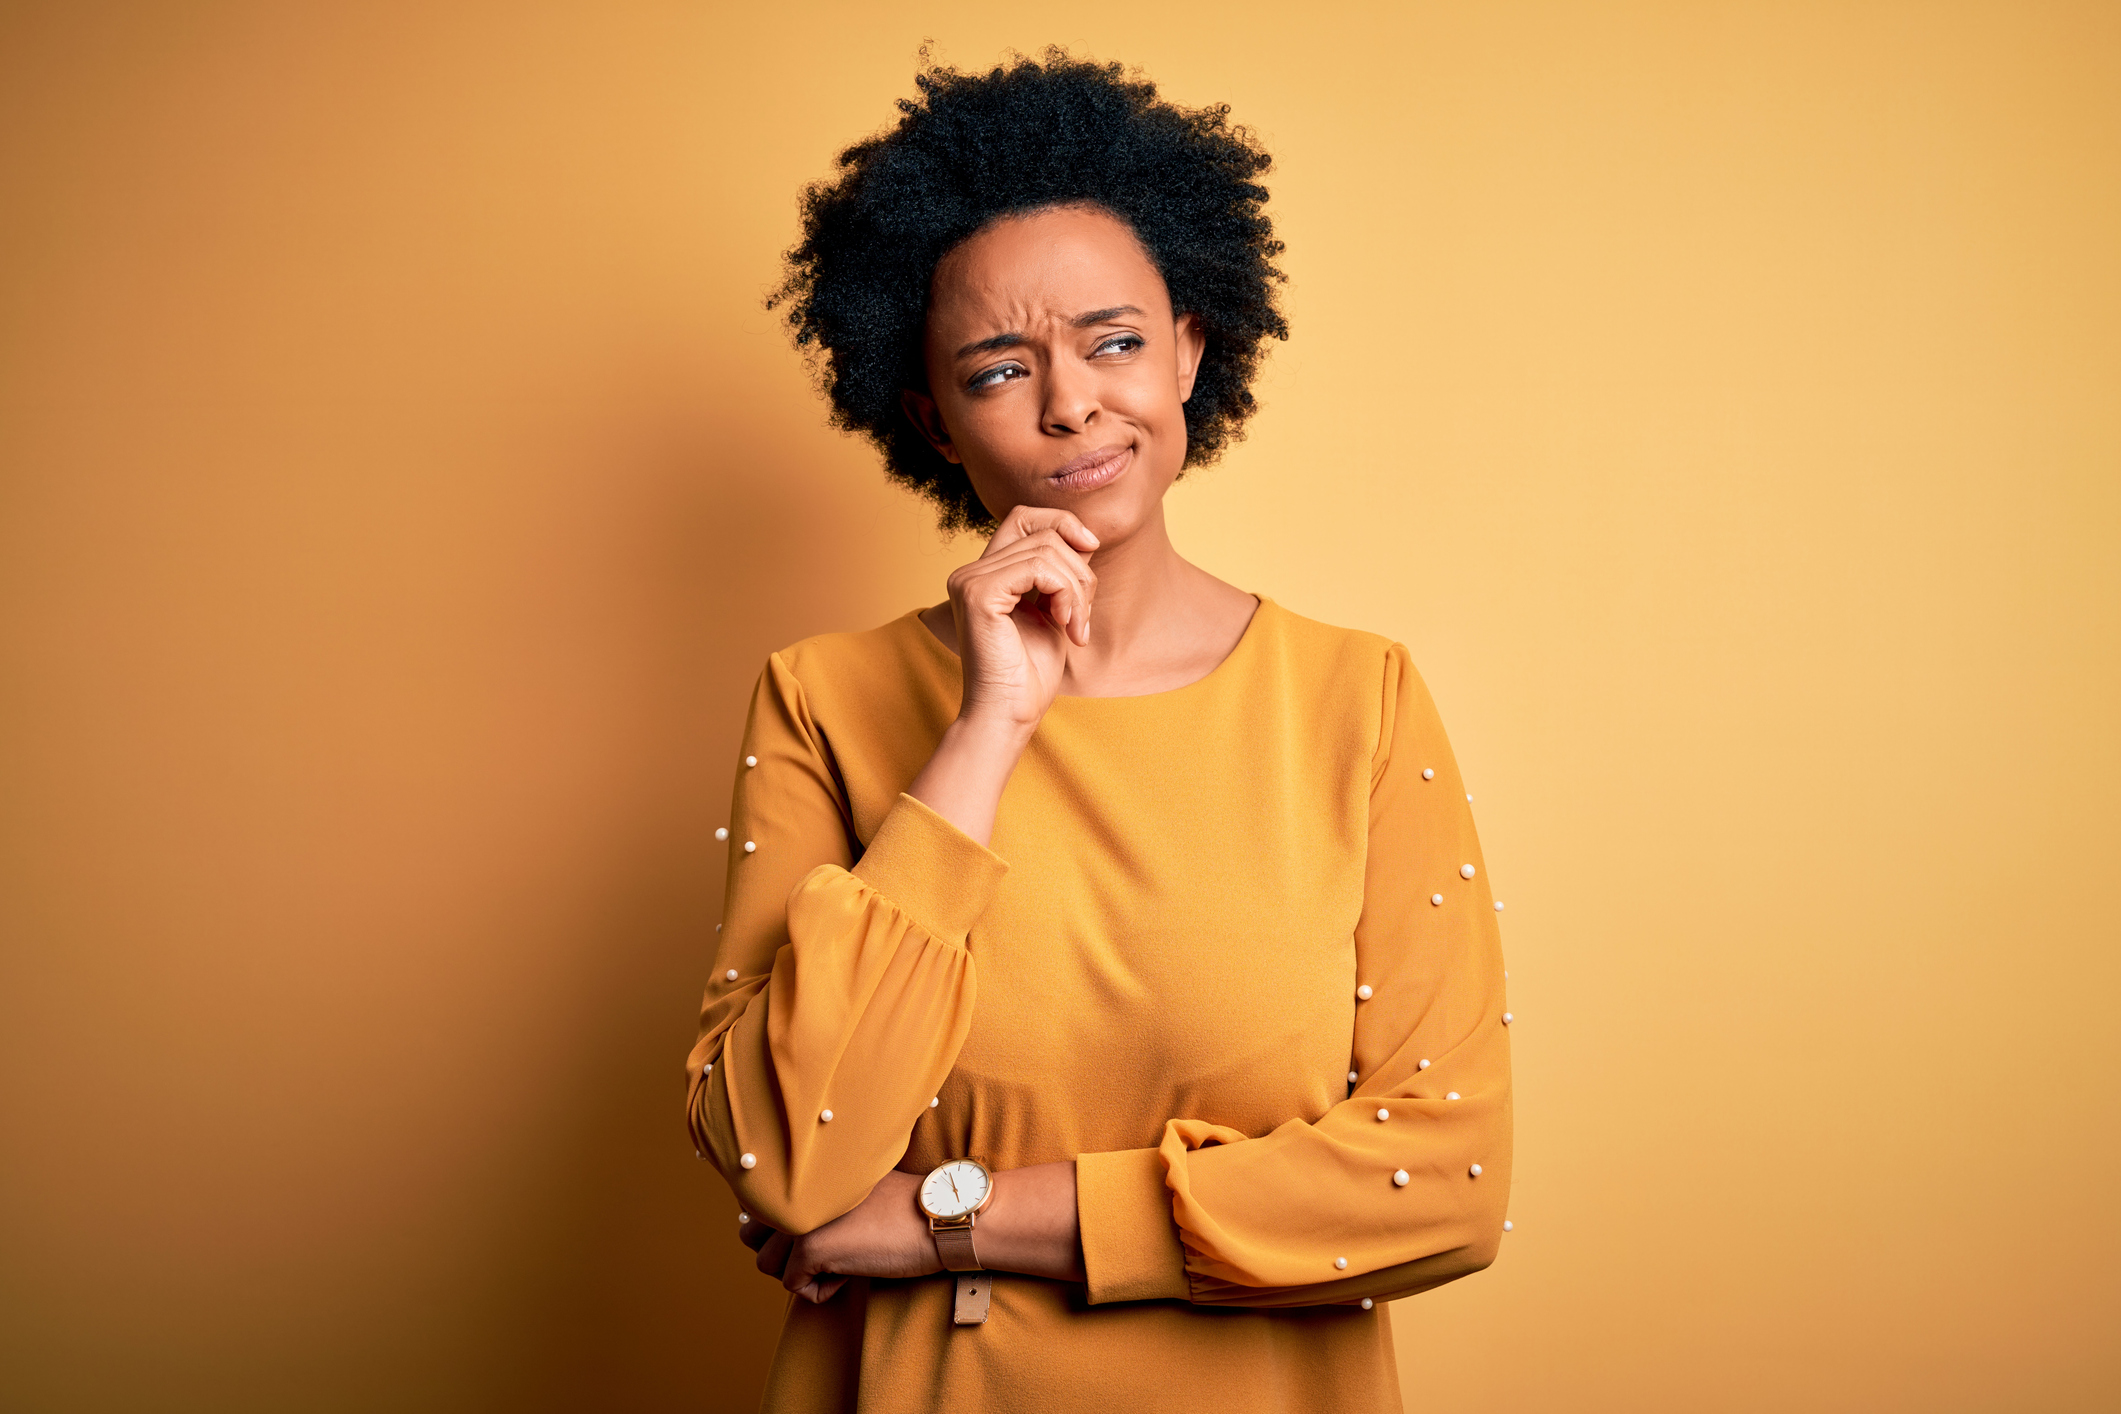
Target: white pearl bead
[(1384, 1114), (749, 1161), (721, 834), (1465, 871), (1399, 1176), (1423, 1066), (751, 846), (1428, 773), (1452, 1096), (1506, 1018), (1364, 992), (707, 1069), (934, 1102), (1469, 800), (699, 1153), (743, 1217), (717, 927), (751, 760), (824, 1116), (1367, 1303), (730, 975), (1508, 1226), (1498, 905), (1436, 899), (1476, 1170), (1340, 1262), (1352, 1077)]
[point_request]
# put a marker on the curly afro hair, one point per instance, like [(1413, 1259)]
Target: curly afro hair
[(976, 147)]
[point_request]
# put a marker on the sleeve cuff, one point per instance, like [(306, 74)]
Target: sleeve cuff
[(942, 877), (1131, 1249)]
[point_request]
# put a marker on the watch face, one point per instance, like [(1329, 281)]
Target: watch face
[(954, 1190)]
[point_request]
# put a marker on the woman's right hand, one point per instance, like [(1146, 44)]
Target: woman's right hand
[(1017, 609)]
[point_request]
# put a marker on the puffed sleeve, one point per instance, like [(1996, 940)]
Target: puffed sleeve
[(1404, 1185), (842, 988)]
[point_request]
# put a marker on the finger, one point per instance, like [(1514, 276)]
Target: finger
[(1029, 520), (1004, 588), (1072, 530), (1067, 604), (773, 1257), (1013, 572), (1041, 577), (1045, 544), (802, 1269), (817, 1286)]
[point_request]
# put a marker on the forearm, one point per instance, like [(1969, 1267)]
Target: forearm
[(1029, 1226), (964, 779), (1032, 1226), (840, 1046)]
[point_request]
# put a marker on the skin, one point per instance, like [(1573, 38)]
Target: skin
[(1057, 377)]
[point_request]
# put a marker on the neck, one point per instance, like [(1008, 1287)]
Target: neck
[(1145, 592)]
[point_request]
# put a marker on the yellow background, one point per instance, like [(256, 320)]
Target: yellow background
[(403, 485)]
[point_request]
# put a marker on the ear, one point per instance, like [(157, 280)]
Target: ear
[(1192, 345), (922, 412)]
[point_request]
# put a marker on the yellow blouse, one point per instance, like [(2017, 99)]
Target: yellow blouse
[(1232, 950)]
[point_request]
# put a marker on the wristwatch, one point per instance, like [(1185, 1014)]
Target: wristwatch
[(953, 1195)]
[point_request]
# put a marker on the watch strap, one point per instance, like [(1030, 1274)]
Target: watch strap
[(974, 1290), (954, 1245)]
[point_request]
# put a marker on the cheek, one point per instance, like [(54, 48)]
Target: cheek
[(995, 431), (1149, 395)]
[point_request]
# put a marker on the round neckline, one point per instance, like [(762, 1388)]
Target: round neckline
[(1243, 644)]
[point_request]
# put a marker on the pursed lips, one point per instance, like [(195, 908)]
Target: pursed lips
[(1093, 468)]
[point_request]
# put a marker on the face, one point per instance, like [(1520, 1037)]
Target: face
[(1057, 373)]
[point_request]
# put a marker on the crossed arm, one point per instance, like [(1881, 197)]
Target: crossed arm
[(1029, 1226)]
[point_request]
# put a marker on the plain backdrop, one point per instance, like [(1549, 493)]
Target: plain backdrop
[(402, 483)]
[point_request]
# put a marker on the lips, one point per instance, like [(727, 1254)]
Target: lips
[(1093, 469)]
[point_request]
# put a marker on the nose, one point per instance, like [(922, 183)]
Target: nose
[(1071, 397)]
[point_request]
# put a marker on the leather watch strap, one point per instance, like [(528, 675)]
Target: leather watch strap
[(954, 1245), (974, 1290)]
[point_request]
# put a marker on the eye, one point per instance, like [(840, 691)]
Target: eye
[(1119, 344), (994, 377)]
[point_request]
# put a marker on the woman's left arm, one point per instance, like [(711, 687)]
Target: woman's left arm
[(1028, 1227), (1404, 1185)]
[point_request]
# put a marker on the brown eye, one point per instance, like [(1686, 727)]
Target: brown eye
[(993, 377)]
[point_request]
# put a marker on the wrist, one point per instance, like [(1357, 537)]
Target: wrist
[(985, 732), (963, 781)]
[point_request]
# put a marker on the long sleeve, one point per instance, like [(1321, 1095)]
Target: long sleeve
[(842, 989), (1401, 1187)]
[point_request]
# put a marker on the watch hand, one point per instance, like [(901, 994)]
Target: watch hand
[(953, 1187)]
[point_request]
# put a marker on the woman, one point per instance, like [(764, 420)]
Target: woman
[(1109, 1006)]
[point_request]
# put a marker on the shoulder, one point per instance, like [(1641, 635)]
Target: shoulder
[(1327, 652), (824, 657), (1366, 675), (881, 671)]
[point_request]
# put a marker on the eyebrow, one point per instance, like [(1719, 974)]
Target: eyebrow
[(994, 343)]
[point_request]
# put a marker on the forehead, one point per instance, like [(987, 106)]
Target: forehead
[(1054, 263)]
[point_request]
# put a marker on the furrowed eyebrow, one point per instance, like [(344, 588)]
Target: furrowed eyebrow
[(995, 343)]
